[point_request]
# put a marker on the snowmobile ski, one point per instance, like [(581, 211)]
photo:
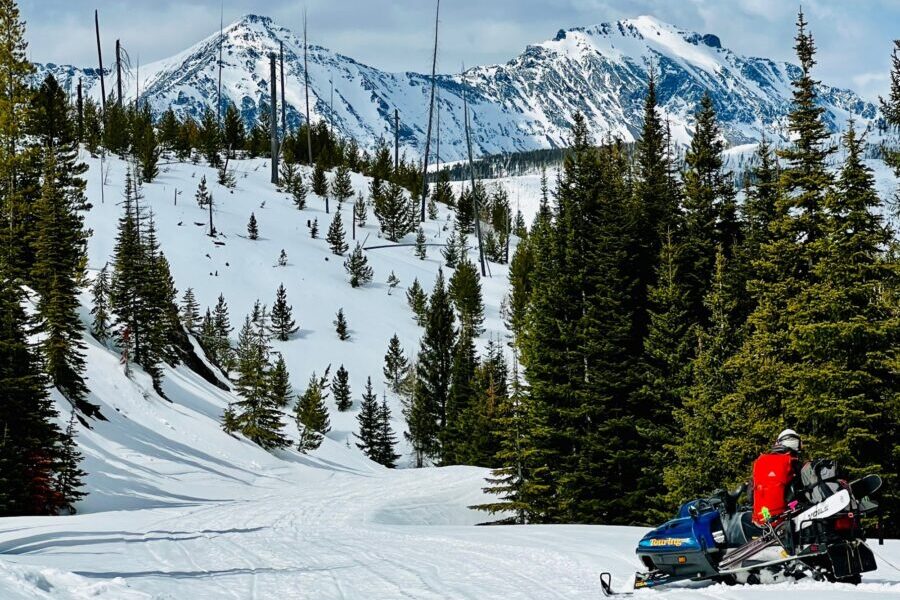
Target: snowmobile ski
[(606, 587)]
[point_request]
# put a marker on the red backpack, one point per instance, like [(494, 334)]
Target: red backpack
[(772, 473)]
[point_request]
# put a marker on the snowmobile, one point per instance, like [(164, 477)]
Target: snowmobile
[(712, 539)]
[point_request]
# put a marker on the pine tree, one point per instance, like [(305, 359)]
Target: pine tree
[(890, 108), (283, 324), (418, 301), (481, 420), (146, 144), (395, 213), (101, 325), (252, 228), (454, 432), (233, 131), (368, 422), (340, 326), (443, 191), (202, 196), (279, 383), (396, 365), (319, 181), (341, 186), (393, 281), (421, 425), (358, 269), (297, 189), (311, 415), (256, 414), (314, 228), (421, 250), (190, 311), (465, 292), (340, 387), (210, 137), (69, 475), (451, 251), (360, 211), (695, 467), (59, 243), (668, 349), (385, 440), (435, 358), (708, 202), (29, 437), (520, 229), (432, 208), (336, 237), (223, 329), (282, 258)]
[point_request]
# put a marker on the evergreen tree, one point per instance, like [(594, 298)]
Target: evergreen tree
[(297, 189), (314, 228), (481, 421), (59, 243), (385, 440), (396, 365), (312, 415), (210, 139), (341, 186), (451, 252), (319, 181), (233, 131), (69, 474), (223, 329), (443, 191), (252, 228), (433, 366), (465, 292), (890, 108), (336, 237), (29, 437), (418, 302), (708, 207), (340, 326), (100, 325), (190, 311), (282, 258), (454, 433), (256, 414), (360, 211), (668, 350), (421, 249), (357, 267), (422, 428), (203, 196), (283, 324), (340, 387), (368, 419), (279, 383), (694, 468), (146, 144), (395, 213)]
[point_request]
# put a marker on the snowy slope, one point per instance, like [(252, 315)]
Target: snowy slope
[(178, 509), (524, 104)]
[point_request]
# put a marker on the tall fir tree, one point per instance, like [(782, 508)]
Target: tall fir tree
[(279, 383), (368, 422), (101, 325), (340, 388), (336, 236), (465, 292), (395, 213), (283, 324), (190, 311), (396, 365), (341, 185), (311, 414), (358, 269), (385, 439)]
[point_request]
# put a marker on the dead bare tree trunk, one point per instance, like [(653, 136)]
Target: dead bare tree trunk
[(79, 105), (100, 60), (283, 105), (430, 110), (219, 94), (119, 71), (273, 117), (396, 141), (306, 78), (475, 207)]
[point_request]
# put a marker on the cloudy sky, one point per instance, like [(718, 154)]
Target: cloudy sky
[(854, 37)]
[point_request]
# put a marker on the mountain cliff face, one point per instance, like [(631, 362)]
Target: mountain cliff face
[(524, 104)]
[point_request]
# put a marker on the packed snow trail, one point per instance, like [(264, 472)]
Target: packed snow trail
[(331, 532)]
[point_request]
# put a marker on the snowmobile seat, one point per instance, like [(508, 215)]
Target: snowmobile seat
[(741, 529)]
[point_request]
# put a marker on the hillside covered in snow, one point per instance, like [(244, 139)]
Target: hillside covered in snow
[(527, 103)]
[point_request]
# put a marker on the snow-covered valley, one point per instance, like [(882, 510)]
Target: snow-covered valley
[(179, 509)]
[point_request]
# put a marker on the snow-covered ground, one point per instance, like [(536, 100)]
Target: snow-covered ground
[(179, 510)]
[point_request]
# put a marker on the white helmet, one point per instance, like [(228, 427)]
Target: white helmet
[(789, 439)]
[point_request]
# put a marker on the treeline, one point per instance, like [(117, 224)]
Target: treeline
[(43, 245), (511, 164), (667, 333)]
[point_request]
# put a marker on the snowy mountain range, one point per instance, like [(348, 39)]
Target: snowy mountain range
[(524, 104)]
